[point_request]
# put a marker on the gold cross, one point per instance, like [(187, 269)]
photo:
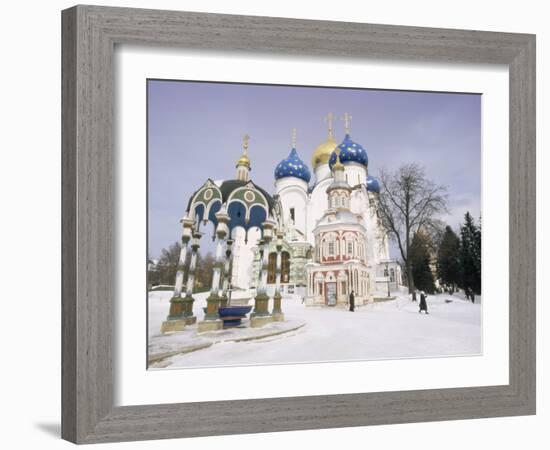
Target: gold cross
[(347, 122), (294, 138), (328, 119), (246, 137)]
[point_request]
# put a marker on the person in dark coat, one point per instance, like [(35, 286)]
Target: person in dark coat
[(352, 301), (414, 295), (423, 305)]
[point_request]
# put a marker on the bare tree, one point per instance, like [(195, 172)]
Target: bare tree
[(167, 265), (408, 203)]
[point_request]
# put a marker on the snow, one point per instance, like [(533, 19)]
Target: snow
[(385, 330)]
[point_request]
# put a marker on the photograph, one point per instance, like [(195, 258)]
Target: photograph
[(306, 224), (267, 225)]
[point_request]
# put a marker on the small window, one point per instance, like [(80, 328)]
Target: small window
[(350, 248), (331, 248), (292, 214)]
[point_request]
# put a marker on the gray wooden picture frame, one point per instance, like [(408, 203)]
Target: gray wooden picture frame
[(90, 34)]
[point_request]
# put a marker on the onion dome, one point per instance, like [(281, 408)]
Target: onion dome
[(322, 153), (349, 151), (292, 166), (243, 161), (372, 185)]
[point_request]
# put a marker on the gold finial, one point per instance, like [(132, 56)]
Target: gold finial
[(244, 160), (329, 119), (337, 164), (294, 138), (347, 122)]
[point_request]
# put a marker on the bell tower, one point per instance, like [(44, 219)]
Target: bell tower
[(339, 190)]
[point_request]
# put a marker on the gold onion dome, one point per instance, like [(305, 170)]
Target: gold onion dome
[(322, 153), (243, 161)]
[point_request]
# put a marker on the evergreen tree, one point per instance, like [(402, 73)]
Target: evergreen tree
[(420, 261), (470, 254), (448, 259), (477, 259)]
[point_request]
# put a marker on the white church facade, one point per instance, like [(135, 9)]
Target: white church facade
[(336, 215)]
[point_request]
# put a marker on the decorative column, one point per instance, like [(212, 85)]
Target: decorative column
[(176, 319), (260, 259), (277, 313), (188, 300), (226, 293), (261, 315), (212, 320)]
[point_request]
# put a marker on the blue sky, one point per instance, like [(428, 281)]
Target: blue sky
[(195, 132)]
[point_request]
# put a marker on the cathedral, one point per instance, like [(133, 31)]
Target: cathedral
[(337, 244), (316, 235)]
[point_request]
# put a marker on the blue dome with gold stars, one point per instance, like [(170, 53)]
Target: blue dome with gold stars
[(292, 166), (372, 185), (349, 151)]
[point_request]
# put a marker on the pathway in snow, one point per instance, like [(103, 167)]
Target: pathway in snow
[(386, 330)]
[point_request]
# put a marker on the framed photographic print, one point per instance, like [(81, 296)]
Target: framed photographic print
[(268, 230)]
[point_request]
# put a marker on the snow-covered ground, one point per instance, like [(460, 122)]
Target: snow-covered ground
[(385, 330)]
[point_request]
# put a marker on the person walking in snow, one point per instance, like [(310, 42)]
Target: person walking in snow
[(352, 301), (423, 305)]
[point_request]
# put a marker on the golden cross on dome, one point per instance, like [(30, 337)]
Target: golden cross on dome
[(329, 119), (246, 137), (294, 138), (347, 122)]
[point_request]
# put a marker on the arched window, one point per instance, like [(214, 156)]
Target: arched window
[(285, 267), (272, 268), (392, 275)]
